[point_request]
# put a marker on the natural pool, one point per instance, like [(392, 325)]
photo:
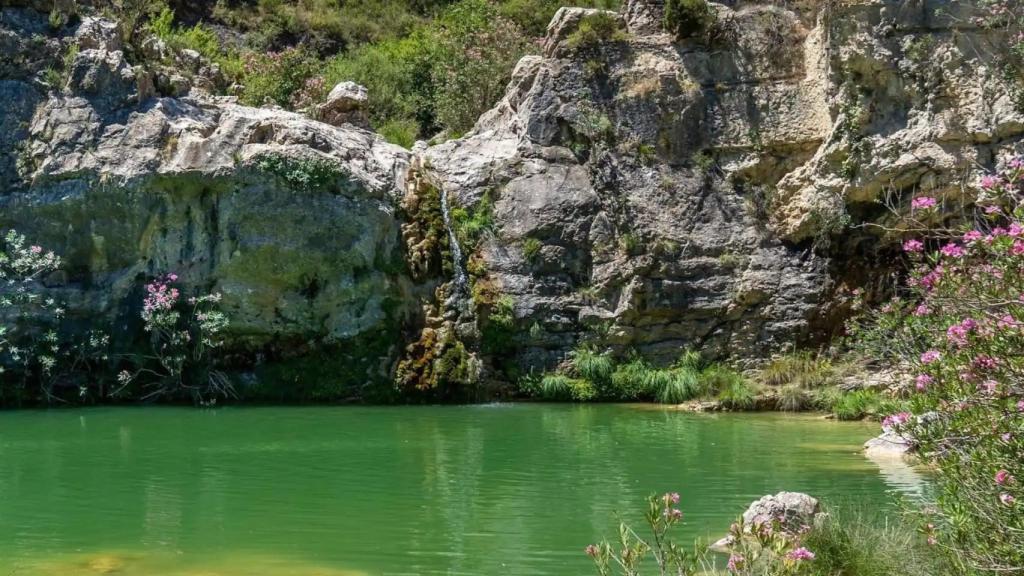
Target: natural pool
[(484, 490)]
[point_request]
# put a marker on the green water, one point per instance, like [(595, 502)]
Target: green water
[(487, 490)]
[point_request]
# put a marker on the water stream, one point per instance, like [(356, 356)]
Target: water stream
[(460, 273)]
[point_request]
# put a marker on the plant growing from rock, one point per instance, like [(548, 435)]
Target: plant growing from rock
[(688, 18), (960, 328), (184, 337)]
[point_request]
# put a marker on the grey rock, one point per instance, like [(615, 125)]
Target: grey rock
[(98, 34), (104, 78), (889, 444), (345, 104), (791, 511)]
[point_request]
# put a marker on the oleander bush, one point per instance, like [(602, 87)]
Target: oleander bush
[(959, 326)]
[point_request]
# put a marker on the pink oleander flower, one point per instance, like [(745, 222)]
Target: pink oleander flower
[(913, 245), (36, 249), (1007, 499), (922, 310), (673, 514), (989, 386), (799, 554), (923, 203), (592, 550), (1017, 162), (993, 209), (972, 235), (895, 420), (1002, 477), (671, 497), (1017, 248), (922, 382), (1007, 322), (930, 356), (1015, 230), (736, 563), (953, 250), (989, 181), (984, 362), (1020, 406)]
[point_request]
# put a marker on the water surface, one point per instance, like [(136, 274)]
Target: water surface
[(484, 490)]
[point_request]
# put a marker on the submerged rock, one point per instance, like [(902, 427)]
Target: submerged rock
[(888, 445)]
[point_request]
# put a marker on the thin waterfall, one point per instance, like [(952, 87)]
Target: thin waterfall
[(460, 274)]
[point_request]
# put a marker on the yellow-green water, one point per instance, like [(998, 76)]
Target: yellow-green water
[(486, 490)]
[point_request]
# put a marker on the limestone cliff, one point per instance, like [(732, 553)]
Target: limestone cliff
[(648, 193)]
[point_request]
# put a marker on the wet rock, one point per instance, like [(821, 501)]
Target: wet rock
[(889, 445)]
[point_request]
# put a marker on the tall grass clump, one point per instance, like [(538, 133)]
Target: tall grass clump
[(734, 390), (804, 369)]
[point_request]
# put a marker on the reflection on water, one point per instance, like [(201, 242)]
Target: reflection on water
[(135, 564), (492, 490)]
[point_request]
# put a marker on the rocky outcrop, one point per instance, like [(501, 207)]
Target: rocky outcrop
[(294, 221), (645, 193), (652, 194)]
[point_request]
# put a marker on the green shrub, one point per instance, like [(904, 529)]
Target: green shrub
[(734, 391), (793, 399), (628, 379), (861, 544), (855, 405), (400, 131), (592, 366), (555, 387), (595, 29), (803, 369), (471, 224), (276, 77), (531, 249), (692, 360), (683, 385), (688, 18)]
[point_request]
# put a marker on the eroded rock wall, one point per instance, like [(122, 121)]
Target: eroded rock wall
[(710, 194), (648, 194)]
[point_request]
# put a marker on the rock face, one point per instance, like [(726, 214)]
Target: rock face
[(294, 221), (648, 194), (652, 195)]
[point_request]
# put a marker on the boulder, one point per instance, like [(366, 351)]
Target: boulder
[(345, 104), (887, 445), (792, 510)]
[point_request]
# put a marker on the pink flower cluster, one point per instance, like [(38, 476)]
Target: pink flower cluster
[(957, 333), (736, 563), (799, 554), (1003, 477), (930, 356), (895, 420), (923, 203), (160, 297), (922, 382), (953, 250)]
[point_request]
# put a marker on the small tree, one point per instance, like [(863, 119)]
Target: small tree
[(688, 18)]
